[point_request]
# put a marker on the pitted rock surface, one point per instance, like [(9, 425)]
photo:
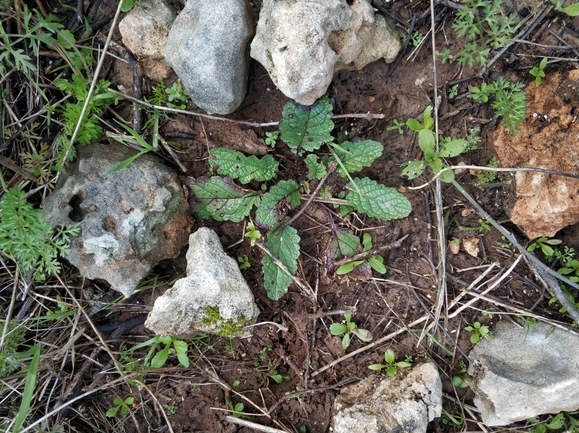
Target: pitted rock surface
[(130, 219)]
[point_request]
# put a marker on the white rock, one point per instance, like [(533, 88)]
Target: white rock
[(303, 43), (144, 31), (523, 372), (213, 297), (406, 402), (208, 49)]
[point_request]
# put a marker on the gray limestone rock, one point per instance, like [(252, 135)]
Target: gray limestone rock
[(404, 403), (523, 372), (303, 43), (208, 48), (213, 297), (130, 219), (144, 31)]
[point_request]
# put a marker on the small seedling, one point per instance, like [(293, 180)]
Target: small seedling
[(485, 177), (571, 10), (271, 138), (120, 405), (376, 262), (172, 345), (171, 409), (236, 383), (454, 245), (397, 125), (445, 56), (252, 233), (390, 365), (276, 377), (539, 71), (243, 262), (427, 142), (457, 380), (348, 329), (541, 427), (545, 245), (453, 92), (237, 409), (478, 331)]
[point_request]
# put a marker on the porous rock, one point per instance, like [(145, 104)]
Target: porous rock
[(405, 402), (213, 297), (548, 138), (144, 31), (208, 48), (303, 43), (524, 371), (129, 219)]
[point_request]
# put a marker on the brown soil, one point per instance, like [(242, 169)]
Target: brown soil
[(241, 370)]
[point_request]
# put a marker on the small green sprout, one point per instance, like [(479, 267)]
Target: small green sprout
[(457, 380), (539, 71), (172, 345), (397, 125), (271, 138), (236, 383), (277, 378), (120, 404), (545, 245), (479, 332), (453, 92), (348, 329), (445, 56), (376, 262), (243, 262), (391, 365), (171, 409), (252, 233), (236, 409), (572, 10)]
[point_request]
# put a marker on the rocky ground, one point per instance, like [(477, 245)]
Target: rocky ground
[(288, 374)]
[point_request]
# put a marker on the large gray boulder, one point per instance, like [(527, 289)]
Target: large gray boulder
[(208, 48), (144, 31), (130, 219), (523, 371), (213, 297), (404, 403), (303, 43)]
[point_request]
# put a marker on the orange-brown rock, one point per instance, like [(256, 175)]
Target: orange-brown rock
[(549, 138)]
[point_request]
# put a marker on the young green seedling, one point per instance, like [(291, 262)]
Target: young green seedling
[(545, 245), (376, 262), (252, 233), (427, 142), (172, 345), (390, 365), (120, 404), (479, 332), (539, 71), (348, 329), (243, 262)]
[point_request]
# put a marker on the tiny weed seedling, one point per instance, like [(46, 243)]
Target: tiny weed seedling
[(453, 92), (252, 233), (445, 56), (478, 332), (390, 365), (397, 125), (348, 329), (243, 262), (571, 10), (172, 345), (427, 142), (376, 262), (546, 247), (236, 409), (305, 130), (28, 239), (276, 377), (271, 138), (539, 71), (485, 177), (457, 379), (121, 406)]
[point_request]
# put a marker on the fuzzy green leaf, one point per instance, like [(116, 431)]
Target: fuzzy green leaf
[(160, 358), (413, 169), (377, 263), (219, 198), (376, 200), (414, 124), (245, 168), (355, 156), (348, 267), (571, 10), (389, 356), (285, 245), (273, 206), (453, 148), (306, 128), (338, 328), (316, 170)]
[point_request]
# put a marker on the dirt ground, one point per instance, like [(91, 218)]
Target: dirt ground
[(312, 363)]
